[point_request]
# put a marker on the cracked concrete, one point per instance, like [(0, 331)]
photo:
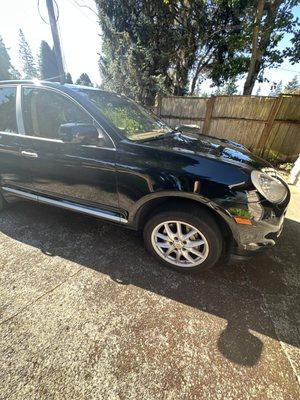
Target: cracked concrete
[(85, 313)]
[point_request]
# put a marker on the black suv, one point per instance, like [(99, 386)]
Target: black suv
[(197, 199)]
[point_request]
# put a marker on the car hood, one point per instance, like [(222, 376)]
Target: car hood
[(211, 147)]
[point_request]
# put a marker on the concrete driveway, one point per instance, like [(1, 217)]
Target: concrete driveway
[(85, 313)]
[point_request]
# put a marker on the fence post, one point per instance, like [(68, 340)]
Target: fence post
[(269, 124), (209, 110)]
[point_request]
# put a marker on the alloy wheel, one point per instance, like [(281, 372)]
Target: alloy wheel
[(180, 243)]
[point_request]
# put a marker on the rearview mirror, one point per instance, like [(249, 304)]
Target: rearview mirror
[(78, 133)]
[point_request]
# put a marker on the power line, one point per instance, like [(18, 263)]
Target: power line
[(289, 70), (85, 6), (79, 7), (42, 18)]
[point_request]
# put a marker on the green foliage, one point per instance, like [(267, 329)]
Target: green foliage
[(270, 21), (47, 63), (230, 88), (84, 80), (29, 68), (292, 86), (294, 51), (276, 89), (170, 46), (7, 71), (239, 212), (69, 78)]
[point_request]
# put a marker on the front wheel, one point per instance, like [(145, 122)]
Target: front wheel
[(184, 240), (2, 202)]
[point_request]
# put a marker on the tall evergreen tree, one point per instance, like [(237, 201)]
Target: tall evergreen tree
[(69, 78), (29, 67), (47, 63), (292, 86), (7, 71), (84, 80)]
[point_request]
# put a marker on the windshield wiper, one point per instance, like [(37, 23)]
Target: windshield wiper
[(158, 137)]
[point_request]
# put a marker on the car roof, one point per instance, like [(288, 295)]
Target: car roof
[(27, 81), (58, 85)]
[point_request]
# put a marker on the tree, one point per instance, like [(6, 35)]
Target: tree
[(271, 19), (157, 46), (276, 89), (230, 88), (292, 86), (258, 91), (84, 80), (7, 71), (294, 51), (29, 67), (69, 78), (47, 63), (136, 53), (170, 46)]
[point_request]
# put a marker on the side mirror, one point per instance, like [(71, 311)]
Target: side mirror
[(78, 133), (190, 130)]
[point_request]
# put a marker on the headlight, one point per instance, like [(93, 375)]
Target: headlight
[(269, 185)]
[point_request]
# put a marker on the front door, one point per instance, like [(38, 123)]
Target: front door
[(81, 173), (12, 165)]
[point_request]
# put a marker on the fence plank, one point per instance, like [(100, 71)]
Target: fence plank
[(268, 127), (209, 111), (264, 124)]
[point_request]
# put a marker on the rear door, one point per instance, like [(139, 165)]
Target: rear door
[(81, 173)]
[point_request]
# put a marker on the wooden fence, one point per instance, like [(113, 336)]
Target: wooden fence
[(269, 126)]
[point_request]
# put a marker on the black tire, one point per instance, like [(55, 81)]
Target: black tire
[(2, 202), (197, 218)]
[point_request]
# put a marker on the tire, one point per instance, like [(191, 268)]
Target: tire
[(2, 202), (197, 253)]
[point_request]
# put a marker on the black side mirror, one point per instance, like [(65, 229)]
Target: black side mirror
[(78, 133)]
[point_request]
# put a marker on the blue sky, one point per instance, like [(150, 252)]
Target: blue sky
[(81, 39)]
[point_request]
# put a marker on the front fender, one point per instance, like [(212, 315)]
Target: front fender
[(152, 200)]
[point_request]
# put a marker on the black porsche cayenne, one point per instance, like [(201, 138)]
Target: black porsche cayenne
[(197, 199)]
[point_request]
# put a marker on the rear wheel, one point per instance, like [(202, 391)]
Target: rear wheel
[(184, 240)]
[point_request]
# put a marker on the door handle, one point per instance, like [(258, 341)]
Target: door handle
[(29, 154)]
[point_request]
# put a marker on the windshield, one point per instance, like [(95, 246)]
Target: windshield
[(132, 120)]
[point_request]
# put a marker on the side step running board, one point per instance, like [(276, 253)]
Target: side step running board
[(68, 205)]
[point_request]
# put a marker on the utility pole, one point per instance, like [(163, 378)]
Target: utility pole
[(56, 41)]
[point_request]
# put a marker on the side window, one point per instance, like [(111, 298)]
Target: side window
[(45, 110), (8, 120)]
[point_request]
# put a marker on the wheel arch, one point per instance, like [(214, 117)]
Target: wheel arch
[(152, 204)]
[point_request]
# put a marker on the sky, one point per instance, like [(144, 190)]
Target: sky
[(79, 31), (81, 38)]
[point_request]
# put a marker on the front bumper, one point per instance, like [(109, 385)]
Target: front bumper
[(260, 235), (267, 221)]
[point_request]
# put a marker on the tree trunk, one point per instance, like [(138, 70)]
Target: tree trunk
[(200, 65), (261, 39), (256, 54)]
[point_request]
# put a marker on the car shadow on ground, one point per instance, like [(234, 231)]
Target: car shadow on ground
[(255, 297)]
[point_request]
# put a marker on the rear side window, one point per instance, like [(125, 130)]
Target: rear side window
[(45, 110), (8, 120)]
